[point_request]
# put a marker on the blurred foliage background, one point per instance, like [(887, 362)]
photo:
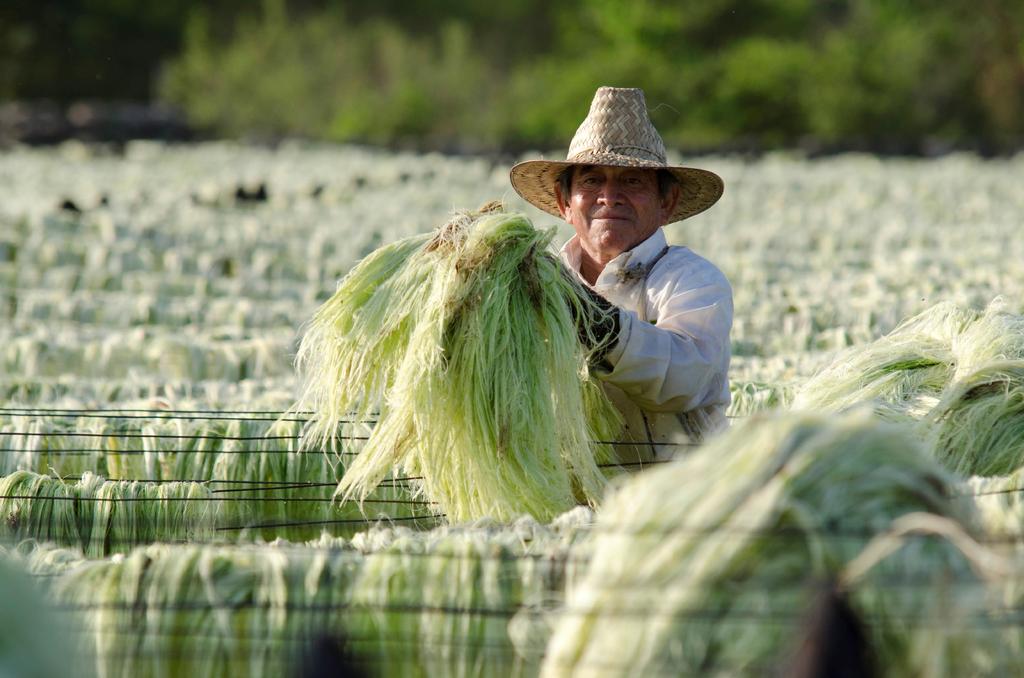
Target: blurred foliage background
[(461, 75)]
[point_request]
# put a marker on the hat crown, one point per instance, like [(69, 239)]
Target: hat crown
[(618, 124)]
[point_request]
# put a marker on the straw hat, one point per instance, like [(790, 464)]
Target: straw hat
[(617, 132)]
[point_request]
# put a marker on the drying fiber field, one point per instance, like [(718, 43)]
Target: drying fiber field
[(169, 481)]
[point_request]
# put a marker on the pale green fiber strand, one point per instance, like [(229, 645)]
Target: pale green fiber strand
[(450, 595), (902, 373), (466, 343), (262, 458), (995, 336), (957, 374), (92, 514), (690, 559), (978, 427), (999, 502), (44, 559), (203, 610), (750, 397), (354, 342), (410, 603)]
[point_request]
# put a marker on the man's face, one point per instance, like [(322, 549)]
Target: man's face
[(614, 209)]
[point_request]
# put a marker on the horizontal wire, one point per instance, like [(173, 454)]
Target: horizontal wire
[(80, 451), (296, 483), (154, 417), (100, 412), (296, 635), (986, 493), (401, 650), (258, 483), (178, 436), (172, 436), (280, 485), (276, 488), (1009, 616), (555, 596), (897, 580), (170, 417), (739, 533), (209, 499), (340, 521)]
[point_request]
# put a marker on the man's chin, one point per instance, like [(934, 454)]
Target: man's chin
[(613, 244)]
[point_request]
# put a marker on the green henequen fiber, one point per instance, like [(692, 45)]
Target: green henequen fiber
[(407, 602), (465, 341), (261, 482), (705, 565), (998, 501), (955, 374), (978, 426), (901, 374), (104, 516)]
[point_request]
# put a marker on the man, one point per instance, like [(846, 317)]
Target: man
[(667, 358)]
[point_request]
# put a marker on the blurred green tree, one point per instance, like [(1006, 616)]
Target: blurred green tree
[(899, 75)]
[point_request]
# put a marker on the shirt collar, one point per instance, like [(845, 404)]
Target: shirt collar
[(617, 270)]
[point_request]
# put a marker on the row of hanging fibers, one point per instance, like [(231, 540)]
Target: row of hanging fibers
[(101, 516), (406, 602), (69, 391), (256, 482), (955, 374), (106, 516), (230, 354), (465, 342), (706, 564), (199, 235), (160, 447)]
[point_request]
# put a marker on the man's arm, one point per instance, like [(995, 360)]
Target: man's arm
[(681, 362)]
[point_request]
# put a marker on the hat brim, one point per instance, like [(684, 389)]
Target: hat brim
[(535, 181)]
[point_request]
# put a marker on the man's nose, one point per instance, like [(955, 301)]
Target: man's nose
[(610, 193)]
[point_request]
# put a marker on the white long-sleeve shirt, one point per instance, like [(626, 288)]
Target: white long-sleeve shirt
[(670, 365)]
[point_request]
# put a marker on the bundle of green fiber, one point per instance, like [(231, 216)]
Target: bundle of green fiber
[(902, 373), (43, 560), (978, 426), (104, 516), (418, 603), (159, 448), (705, 565), (32, 639), (174, 610), (749, 397), (33, 443), (213, 449), (267, 482), (280, 490), (999, 502), (442, 602), (954, 371), (996, 335), (465, 342)]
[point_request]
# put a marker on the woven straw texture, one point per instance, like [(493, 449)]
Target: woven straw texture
[(617, 132)]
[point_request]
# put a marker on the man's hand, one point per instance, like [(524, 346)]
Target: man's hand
[(597, 320)]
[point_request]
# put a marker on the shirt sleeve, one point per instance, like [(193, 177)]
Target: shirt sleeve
[(681, 362)]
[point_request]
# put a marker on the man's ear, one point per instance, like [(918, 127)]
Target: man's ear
[(669, 202), (563, 204)]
